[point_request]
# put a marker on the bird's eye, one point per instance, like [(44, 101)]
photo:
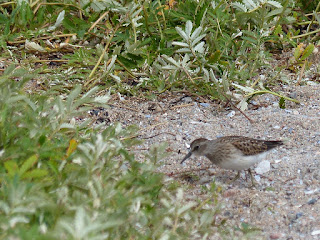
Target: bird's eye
[(196, 148)]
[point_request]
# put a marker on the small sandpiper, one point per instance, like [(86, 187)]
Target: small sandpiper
[(232, 152)]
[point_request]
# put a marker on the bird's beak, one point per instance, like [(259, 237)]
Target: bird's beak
[(186, 157)]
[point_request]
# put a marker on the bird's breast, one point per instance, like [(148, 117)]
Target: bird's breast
[(238, 162)]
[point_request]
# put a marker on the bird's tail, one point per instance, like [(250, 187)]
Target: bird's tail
[(273, 144)]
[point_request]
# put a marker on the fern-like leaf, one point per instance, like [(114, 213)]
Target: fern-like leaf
[(239, 6)]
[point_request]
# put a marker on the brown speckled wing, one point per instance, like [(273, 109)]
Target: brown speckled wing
[(250, 146)]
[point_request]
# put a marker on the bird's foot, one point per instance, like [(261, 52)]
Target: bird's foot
[(235, 178)]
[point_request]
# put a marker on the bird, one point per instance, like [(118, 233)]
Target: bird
[(232, 152)]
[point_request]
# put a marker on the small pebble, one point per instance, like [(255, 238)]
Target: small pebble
[(312, 201), (307, 192), (316, 232), (263, 167), (229, 193), (227, 214), (293, 95), (231, 114), (291, 216), (204, 180), (275, 236), (276, 127), (298, 215), (187, 99), (178, 138), (204, 104), (257, 178)]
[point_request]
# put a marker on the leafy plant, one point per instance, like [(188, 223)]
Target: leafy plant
[(62, 179)]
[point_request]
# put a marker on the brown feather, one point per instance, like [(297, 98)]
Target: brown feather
[(250, 146)]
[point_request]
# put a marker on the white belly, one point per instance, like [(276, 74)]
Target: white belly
[(242, 162)]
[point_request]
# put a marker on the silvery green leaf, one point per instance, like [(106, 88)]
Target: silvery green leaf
[(196, 33), (58, 21), (16, 99), (182, 34), (213, 4), (250, 4), (168, 221), (274, 12), (135, 21), (92, 190), (225, 81), (195, 41), (185, 59), (291, 19), (239, 6), (245, 89), (179, 194), (32, 46), (111, 64), (235, 35), (137, 12), (102, 99), (199, 48), (183, 50), (212, 76), (169, 67), (72, 96), (18, 219), (171, 60), (181, 44), (79, 221), (274, 3), (97, 6), (186, 207), (67, 126), (316, 16), (243, 105), (165, 202), (206, 217), (90, 92), (205, 74), (204, 17), (188, 28), (116, 78)]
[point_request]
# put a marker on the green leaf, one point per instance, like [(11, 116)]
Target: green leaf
[(3, 18), (11, 167), (42, 139), (297, 52), (282, 103), (28, 164), (307, 52), (252, 40), (278, 30), (35, 173)]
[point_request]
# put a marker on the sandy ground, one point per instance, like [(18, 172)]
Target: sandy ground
[(285, 203)]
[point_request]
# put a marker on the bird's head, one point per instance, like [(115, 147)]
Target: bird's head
[(196, 148)]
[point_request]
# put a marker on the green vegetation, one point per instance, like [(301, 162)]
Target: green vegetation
[(60, 176)]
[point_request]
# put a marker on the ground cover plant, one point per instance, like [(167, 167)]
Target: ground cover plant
[(64, 177)]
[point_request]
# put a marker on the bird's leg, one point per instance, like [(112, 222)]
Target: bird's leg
[(252, 180), (235, 178)]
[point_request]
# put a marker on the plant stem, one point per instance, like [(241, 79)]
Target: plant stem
[(273, 93)]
